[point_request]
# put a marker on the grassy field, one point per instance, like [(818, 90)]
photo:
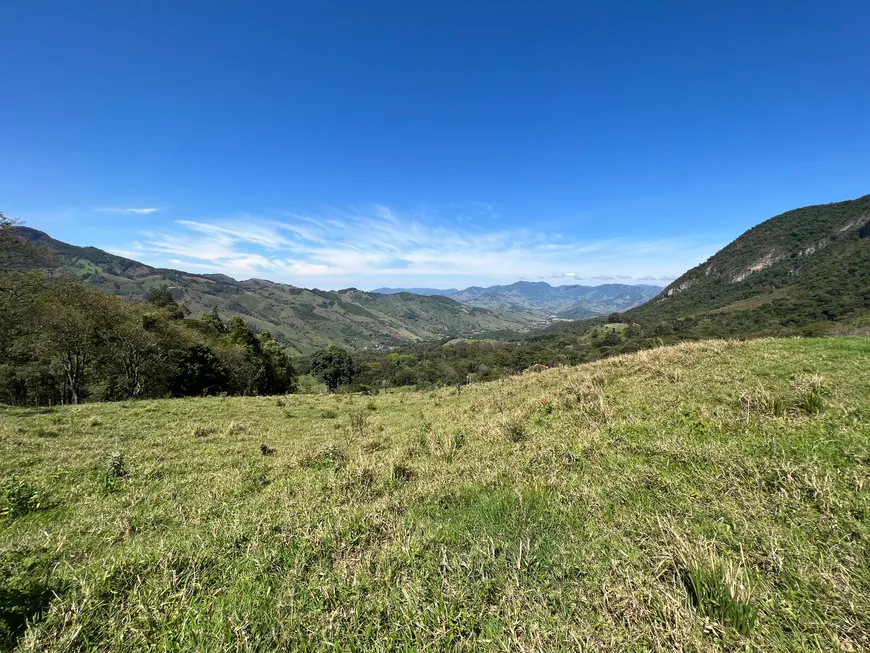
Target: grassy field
[(711, 496)]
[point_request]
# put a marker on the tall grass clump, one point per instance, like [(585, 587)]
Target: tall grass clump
[(587, 396), (716, 591), (514, 429), (764, 403), (811, 393)]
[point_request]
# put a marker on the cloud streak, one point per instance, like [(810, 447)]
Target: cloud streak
[(378, 246), (145, 211)]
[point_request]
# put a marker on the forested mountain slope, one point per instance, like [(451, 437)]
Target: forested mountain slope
[(801, 267), (300, 318)]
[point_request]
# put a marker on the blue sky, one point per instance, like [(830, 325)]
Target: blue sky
[(335, 144)]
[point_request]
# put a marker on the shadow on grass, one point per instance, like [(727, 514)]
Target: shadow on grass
[(27, 587)]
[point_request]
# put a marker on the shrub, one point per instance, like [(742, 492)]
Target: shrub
[(116, 470), (358, 424), (19, 497)]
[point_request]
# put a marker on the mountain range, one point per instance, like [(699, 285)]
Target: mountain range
[(806, 266), (301, 319), (539, 297)]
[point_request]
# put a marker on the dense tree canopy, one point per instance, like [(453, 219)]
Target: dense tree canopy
[(333, 366)]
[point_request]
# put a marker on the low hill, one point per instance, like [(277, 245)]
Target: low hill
[(707, 497), (801, 267), (566, 302), (302, 319)]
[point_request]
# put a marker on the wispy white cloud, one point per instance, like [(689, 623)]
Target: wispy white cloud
[(377, 245), (145, 211)]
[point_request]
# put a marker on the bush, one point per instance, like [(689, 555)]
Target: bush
[(19, 498), (116, 470)]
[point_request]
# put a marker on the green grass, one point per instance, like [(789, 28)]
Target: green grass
[(709, 496)]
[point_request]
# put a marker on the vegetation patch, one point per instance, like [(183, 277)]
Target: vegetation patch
[(514, 429), (28, 583), (718, 591), (332, 458), (202, 431), (19, 497)]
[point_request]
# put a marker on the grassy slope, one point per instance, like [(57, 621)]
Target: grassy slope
[(566, 509)]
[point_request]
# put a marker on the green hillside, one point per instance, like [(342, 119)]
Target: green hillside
[(709, 496), (302, 319), (801, 267)]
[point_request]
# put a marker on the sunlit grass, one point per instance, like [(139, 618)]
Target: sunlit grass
[(702, 497)]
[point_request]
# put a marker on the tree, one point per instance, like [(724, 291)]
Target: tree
[(280, 377), (160, 297), (197, 372), (213, 319), (74, 328), (333, 366)]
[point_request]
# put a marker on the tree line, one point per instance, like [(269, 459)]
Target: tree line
[(62, 341)]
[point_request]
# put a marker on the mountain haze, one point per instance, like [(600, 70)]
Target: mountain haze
[(567, 302), (449, 292)]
